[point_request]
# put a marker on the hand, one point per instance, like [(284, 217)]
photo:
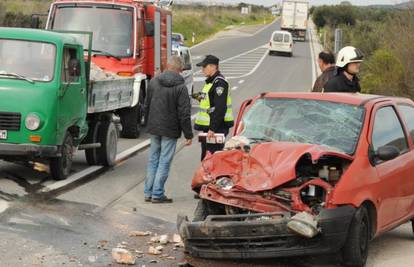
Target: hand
[(188, 142), (210, 134)]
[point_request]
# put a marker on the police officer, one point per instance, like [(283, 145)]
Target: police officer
[(215, 115), (348, 64)]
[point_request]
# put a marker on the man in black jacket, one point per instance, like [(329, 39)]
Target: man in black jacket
[(215, 115), (169, 115), (348, 63), (326, 62)]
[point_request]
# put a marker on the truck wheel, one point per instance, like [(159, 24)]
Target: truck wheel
[(60, 167), (108, 138), (92, 137), (130, 120), (355, 250)]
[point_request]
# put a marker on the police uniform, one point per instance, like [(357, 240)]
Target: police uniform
[(215, 112)]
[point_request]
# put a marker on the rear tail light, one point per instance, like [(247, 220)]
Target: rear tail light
[(270, 43), (290, 46)]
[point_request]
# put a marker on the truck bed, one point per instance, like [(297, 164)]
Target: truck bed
[(108, 95)]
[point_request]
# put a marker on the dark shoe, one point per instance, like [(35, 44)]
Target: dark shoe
[(147, 199), (162, 199)]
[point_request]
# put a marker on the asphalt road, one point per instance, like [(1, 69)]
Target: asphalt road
[(68, 225)]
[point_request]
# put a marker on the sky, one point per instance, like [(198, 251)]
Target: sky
[(317, 2)]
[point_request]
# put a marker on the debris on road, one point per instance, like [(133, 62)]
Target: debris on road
[(153, 251), (123, 256), (177, 238), (155, 239), (163, 239), (139, 233)]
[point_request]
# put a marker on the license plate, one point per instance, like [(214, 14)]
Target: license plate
[(3, 134)]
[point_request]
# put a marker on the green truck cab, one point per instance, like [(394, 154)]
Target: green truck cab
[(49, 105)]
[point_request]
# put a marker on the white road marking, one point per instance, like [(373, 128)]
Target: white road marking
[(125, 154), (3, 205), (241, 81), (71, 179), (234, 88)]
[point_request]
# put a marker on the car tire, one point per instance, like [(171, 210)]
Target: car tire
[(130, 121), (205, 208), (270, 53), (355, 250), (60, 167), (108, 137), (92, 137), (290, 54)]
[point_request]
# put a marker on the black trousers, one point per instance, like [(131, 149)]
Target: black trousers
[(212, 148)]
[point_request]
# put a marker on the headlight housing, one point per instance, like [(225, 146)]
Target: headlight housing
[(225, 183), (32, 122)]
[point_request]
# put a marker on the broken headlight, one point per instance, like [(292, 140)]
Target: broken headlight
[(225, 183)]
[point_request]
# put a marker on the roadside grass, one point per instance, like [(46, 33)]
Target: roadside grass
[(205, 22)]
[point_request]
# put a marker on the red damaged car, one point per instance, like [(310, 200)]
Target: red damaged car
[(306, 173)]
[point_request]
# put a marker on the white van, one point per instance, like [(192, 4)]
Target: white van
[(188, 73), (281, 42)]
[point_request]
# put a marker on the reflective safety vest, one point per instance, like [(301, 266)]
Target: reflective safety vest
[(203, 116)]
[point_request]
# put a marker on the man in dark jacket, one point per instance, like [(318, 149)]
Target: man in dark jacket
[(169, 115), (215, 115), (348, 65), (326, 62)]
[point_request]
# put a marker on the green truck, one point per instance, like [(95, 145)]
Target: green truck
[(50, 103)]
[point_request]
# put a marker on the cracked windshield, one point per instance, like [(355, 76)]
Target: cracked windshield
[(111, 27), (305, 121), (27, 60)]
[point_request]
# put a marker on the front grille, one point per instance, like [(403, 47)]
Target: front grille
[(10, 121)]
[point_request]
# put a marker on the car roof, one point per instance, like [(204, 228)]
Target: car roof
[(345, 98), (284, 32), (38, 35)]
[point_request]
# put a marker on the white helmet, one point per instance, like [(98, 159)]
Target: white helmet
[(348, 54)]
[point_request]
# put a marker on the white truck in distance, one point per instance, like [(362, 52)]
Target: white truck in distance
[(295, 17)]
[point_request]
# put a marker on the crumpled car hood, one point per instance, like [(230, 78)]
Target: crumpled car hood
[(267, 166)]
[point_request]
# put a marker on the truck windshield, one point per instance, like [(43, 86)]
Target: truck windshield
[(329, 124), (27, 60), (112, 26)]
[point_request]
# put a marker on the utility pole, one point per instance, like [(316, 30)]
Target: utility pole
[(338, 40)]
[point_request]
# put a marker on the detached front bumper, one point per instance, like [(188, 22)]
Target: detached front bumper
[(27, 150), (233, 237)]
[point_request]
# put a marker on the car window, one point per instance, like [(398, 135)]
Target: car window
[(388, 130), (407, 113), (278, 37), (69, 54), (287, 38)]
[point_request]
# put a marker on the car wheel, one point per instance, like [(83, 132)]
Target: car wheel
[(205, 208), (355, 250), (60, 167), (270, 53)]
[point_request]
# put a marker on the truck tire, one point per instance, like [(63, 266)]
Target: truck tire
[(92, 137), (108, 137), (130, 120), (60, 167), (355, 250)]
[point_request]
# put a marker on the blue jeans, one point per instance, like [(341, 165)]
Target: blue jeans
[(161, 154)]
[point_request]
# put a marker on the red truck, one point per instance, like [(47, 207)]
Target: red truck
[(130, 38)]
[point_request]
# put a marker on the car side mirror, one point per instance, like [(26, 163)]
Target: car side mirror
[(386, 153), (187, 67), (149, 28), (74, 68)]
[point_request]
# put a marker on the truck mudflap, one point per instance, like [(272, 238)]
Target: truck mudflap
[(264, 235), (28, 150)]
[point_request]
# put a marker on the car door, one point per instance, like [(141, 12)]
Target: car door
[(388, 130), (72, 94), (407, 191)]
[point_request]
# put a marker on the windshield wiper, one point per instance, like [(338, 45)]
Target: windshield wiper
[(260, 139), (15, 75), (104, 53)]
